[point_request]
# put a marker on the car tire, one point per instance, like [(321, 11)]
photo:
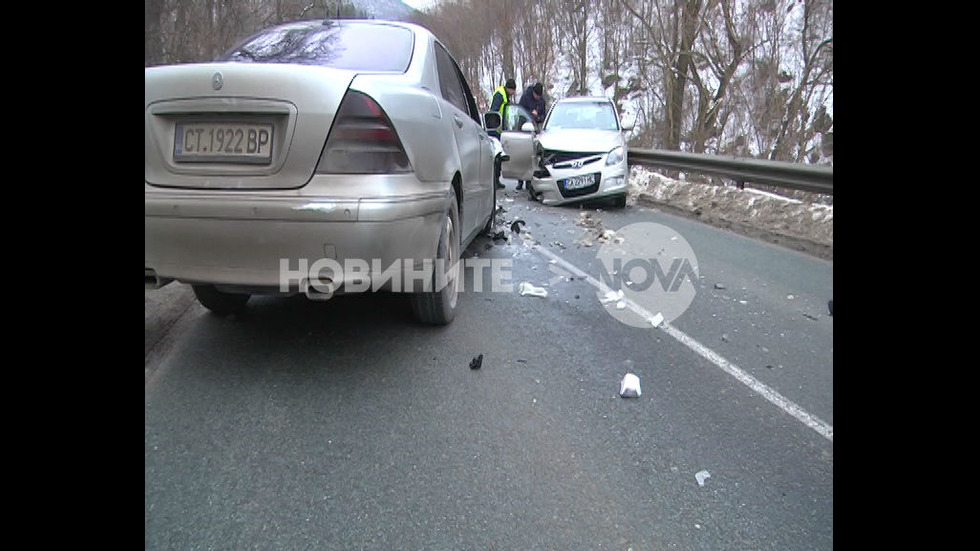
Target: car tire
[(438, 307), (218, 302), (620, 202)]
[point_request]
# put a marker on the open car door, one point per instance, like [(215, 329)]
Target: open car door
[(517, 137)]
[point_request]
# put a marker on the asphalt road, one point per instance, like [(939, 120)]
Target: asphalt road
[(344, 425)]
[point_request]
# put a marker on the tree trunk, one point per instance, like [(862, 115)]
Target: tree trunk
[(677, 78), (152, 36)]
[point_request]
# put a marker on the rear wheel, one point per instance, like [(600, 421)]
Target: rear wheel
[(220, 303), (438, 307)]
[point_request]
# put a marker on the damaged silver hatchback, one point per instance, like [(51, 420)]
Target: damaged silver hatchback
[(580, 153)]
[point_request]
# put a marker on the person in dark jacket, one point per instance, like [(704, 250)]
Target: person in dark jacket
[(533, 102)]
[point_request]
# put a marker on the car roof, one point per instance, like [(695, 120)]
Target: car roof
[(584, 99), (302, 23)]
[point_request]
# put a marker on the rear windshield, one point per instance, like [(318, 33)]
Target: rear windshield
[(360, 47)]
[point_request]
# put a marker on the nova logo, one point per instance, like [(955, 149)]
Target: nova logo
[(652, 267), (650, 271)]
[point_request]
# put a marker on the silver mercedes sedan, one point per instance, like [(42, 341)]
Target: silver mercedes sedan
[(579, 155), (316, 157)]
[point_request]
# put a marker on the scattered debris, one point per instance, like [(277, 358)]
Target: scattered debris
[(594, 231), (498, 236), (621, 305), (527, 289), (610, 235), (719, 286), (629, 387), (809, 316), (521, 361), (790, 297), (516, 226), (701, 476), (657, 320), (477, 362)]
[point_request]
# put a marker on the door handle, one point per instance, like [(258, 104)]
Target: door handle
[(458, 121)]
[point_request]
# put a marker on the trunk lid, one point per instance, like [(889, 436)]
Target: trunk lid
[(238, 125)]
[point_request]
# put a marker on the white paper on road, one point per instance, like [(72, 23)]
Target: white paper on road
[(612, 296), (527, 289), (629, 387), (701, 476)]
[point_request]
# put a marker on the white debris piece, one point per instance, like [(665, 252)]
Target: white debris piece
[(657, 320), (621, 305), (701, 476), (612, 296), (526, 288), (629, 387)]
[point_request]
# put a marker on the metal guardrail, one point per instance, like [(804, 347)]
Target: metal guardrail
[(817, 179)]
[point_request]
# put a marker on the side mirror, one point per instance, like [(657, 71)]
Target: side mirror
[(527, 127), (491, 120)]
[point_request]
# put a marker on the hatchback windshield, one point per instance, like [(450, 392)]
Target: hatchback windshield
[(594, 115), (360, 47)]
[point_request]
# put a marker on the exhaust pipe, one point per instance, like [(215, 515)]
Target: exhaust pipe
[(151, 281), (323, 289)]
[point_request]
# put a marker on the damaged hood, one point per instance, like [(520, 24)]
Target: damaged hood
[(579, 140)]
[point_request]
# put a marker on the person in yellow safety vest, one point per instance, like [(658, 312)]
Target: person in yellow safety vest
[(501, 97)]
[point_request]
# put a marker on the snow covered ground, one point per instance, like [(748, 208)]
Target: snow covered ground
[(799, 220)]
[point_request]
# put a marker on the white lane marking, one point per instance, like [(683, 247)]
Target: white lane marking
[(823, 428)]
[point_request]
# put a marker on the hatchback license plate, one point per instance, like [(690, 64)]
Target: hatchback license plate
[(223, 142), (579, 182)]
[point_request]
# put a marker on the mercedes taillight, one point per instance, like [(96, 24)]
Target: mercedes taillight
[(362, 140)]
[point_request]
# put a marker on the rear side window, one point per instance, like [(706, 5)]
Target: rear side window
[(354, 46), (452, 90), (453, 84)]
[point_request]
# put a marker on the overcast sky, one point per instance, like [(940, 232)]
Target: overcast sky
[(421, 4)]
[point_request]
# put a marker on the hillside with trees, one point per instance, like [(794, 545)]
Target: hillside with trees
[(744, 78)]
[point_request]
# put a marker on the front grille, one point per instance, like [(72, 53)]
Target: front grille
[(580, 191), (556, 157)]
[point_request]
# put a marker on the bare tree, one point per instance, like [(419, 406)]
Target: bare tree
[(816, 39)]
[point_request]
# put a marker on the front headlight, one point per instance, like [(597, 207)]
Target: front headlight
[(615, 156)]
